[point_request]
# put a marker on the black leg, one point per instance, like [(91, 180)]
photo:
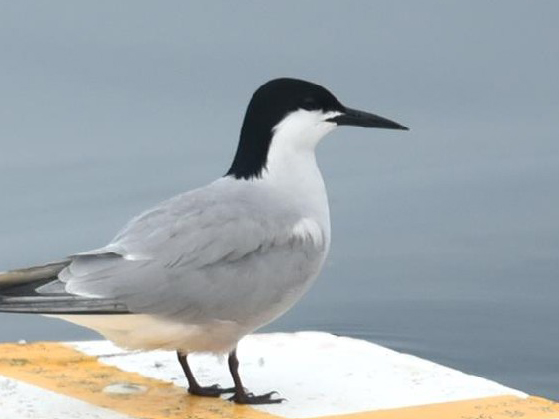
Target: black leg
[(193, 386), (241, 396)]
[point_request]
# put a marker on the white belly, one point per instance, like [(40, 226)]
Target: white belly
[(146, 332)]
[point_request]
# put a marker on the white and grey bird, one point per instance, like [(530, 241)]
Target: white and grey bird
[(201, 270)]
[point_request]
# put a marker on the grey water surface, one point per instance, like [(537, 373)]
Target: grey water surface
[(445, 238)]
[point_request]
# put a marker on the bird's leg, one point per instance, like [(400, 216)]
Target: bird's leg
[(193, 386), (241, 396)]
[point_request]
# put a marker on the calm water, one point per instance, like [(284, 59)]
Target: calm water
[(394, 277), (445, 238)]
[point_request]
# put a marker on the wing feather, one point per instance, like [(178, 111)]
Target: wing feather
[(209, 254)]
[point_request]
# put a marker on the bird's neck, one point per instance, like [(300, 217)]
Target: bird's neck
[(287, 166), (292, 167), (293, 172)]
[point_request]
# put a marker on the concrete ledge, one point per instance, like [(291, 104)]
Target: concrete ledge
[(320, 375)]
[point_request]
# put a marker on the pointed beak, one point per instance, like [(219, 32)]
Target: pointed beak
[(356, 118)]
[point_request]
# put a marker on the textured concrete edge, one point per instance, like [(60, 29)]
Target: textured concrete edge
[(63, 369)]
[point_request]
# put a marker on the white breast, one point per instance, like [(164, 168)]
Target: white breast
[(292, 171)]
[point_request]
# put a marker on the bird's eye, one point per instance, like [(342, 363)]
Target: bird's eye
[(310, 103)]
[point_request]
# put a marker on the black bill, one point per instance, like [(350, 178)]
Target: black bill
[(356, 118)]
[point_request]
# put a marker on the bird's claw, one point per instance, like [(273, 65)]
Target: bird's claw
[(250, 398)]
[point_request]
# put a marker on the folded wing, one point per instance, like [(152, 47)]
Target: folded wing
[(197, 256)]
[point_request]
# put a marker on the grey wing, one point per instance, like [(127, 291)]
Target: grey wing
[(141, 269), (199, 259)]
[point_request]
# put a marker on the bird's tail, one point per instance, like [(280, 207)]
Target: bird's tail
[(23, 276), (38, 290), (17, 286)]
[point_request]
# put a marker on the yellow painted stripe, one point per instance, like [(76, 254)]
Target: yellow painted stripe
[(503, 407), (65, 370)]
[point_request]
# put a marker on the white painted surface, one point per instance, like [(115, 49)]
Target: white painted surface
[(23, 401), (318, 373)]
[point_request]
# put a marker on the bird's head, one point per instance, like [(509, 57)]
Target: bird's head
[(295, 114)]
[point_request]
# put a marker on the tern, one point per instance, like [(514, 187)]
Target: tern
[(201, 270)]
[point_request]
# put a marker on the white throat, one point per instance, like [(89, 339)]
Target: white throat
[(294, 141), (291, 166)]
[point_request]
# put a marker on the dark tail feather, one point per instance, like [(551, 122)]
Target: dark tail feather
[(67, 304), (38, 290), (35, 273)]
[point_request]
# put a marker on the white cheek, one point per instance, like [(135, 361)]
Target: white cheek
[(322, 126), (293, 142), (303, 129), (330, 115)]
